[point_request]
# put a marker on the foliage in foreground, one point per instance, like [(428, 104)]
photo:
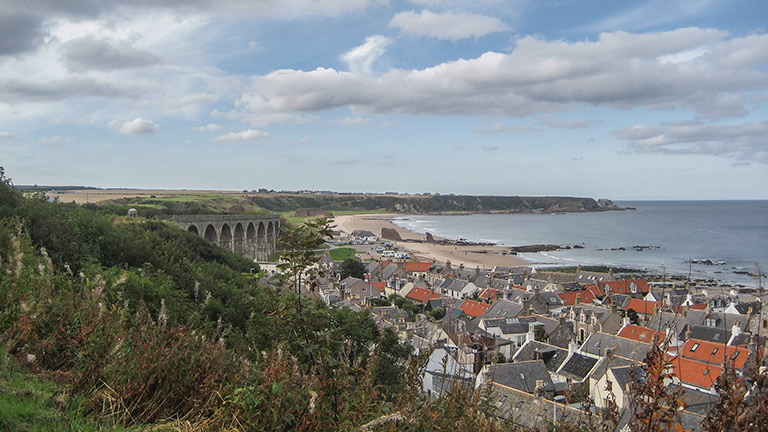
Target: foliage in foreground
[(141, 324)]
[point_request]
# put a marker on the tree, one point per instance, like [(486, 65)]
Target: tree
[(389, 370), (298, 245), (352, 267), (436, 314), (632, 315)]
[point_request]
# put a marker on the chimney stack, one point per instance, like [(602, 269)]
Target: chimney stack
[(531, 335), (572, 347)]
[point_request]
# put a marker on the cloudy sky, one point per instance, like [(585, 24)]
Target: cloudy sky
[(658, 99)]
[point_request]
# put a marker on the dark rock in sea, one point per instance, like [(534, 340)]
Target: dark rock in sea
[(535, 248), (642, 248), (619, 249), (707, 262), (578, 247)]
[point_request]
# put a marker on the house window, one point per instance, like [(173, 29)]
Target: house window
[(765, 324), (714, 351), (736, 354), (633, 287), (694, 347)]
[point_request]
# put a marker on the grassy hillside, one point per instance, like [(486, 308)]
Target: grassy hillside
[(143, 325), (288, 203)]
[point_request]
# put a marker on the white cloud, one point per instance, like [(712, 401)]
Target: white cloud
[(498, 128), (139, 126), (211, 127), (361, 58), (745, 142), (6, 135), (88, 53), (569, 124), (55, 141), (450, 25), (490, 148), (619, 70), (354, 121), (245, 135)]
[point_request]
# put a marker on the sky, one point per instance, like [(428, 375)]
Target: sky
[(655, 99)]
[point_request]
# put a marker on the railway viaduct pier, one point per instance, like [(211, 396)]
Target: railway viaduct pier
[(252, 236)]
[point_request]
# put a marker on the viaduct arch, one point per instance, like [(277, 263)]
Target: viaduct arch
[(252, 236)]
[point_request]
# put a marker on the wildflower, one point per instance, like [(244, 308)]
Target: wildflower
[(162, 318)]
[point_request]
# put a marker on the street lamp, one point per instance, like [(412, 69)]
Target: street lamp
[(558, 398)]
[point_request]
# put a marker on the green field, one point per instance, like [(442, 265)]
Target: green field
[(341, 254)]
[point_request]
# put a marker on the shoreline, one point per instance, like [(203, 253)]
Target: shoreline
[(487, 256), (483, 256)]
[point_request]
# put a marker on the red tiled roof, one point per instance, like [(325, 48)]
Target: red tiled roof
[(641, 334), (569, 298), (422, 295), (698, 306), (490, 294), (715, 353), (520, 287), (695, 372), (625, 286), (416, 266), (595, 290), (474, 308), (643, 307), (381, 285)]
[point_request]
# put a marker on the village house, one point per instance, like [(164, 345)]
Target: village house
[(364, 237), (636, 288), (358, 291), (588, 319), (443, 371), (531, 377), (415, 269)]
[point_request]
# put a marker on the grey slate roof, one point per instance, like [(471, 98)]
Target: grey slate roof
[(503, 309), (508, 326), (529, 412), (522, 376), (551, 355), (610, 362), (578, 366), (599, 343), (710, 334), (550, 298), (627, 374)]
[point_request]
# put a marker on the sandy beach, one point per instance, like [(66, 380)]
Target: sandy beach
[(470, 256)]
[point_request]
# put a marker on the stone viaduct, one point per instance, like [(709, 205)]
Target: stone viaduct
[(252, 236)]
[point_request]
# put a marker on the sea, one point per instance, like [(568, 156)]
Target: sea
[(711, 240)]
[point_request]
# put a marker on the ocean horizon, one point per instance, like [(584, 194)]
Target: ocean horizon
[(720, 240)]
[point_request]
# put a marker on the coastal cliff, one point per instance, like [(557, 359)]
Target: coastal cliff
[(252, 203), (502, 204)]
